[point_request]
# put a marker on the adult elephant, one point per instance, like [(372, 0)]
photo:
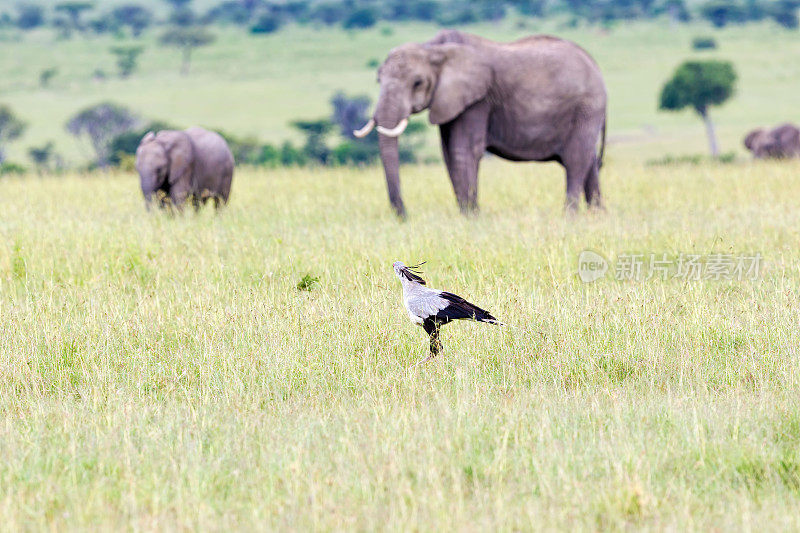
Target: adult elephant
[(779, 143), (194, 163), (536, 99)]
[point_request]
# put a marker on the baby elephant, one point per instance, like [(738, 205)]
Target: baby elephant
[(780, 143), (193, 163)]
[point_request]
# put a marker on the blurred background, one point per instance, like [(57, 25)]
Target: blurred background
[(286, 81)]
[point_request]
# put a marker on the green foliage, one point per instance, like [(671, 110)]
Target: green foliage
[(8, 168), (73, 11), (11, 128), (45, 158), (364, 17), (698, 84), (704, 43), (307, 282), (187, 39), (266, 23), (127, 57), (784, 12), (230, 12), (132, 16), (102, 123), (315, 131), (723, 12), (29, 16)]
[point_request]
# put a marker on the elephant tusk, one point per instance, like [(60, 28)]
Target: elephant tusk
[(396, 131), (363, 132)]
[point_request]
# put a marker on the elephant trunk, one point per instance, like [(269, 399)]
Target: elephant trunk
[(390, 121), (390, 158)]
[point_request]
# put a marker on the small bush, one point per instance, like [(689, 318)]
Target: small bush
[(266, 23), (307, 282), (704, 43), (11, 168), (364, 17)]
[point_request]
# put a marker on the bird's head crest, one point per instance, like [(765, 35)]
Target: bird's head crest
[(410, 273)]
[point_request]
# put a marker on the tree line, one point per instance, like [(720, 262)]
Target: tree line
[(70, 17), (114, 133)]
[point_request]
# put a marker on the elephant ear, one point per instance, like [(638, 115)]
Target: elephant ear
[(750, 140), (180, 151), (148, 137), (463, 80)]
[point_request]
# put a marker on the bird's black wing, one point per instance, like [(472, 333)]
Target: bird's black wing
[(458, 308)]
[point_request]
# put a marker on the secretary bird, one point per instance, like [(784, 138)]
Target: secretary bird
[(431, 308)]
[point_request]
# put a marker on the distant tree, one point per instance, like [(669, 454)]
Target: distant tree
[(704, 43), (533, 8), (73, 11), (720, 13), (363, 17), (329, 12), (177, 4), (29, 16), (315, 132), (46, 75), (104, 24), (784, 12), (266, 23), (102, 123), (229, 12), (45, 158), (127, 58), (677, 11), (63, 27), (699, 85), (132, 16), (183, 16), (187, 39), (349, 113), (11, 128)]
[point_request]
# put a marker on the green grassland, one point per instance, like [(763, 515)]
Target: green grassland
[(257, 85), (165, 373), (162, 373)]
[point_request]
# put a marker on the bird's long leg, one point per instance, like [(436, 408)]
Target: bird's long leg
[(436, 344), (432, 329)]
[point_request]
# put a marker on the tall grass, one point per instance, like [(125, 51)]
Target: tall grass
[(164, 373)]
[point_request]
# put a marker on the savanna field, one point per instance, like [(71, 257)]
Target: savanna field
[(166, 373)]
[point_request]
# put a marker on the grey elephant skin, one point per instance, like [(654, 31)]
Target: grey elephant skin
[(540, 98), (193, 164), (781, 142)]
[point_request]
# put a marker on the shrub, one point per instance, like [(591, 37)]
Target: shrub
[(364, 17), (29, 16), (266, 23), (102, 123), (133, 16), (723, 12), (10, 168), (46, 76), (704, 43)]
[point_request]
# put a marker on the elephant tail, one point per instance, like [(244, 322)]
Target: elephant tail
[(602, 146)]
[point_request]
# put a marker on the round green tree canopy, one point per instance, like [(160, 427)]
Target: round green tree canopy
[(698, 84)]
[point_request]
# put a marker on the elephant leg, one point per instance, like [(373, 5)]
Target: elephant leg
[(196, 203), (463, 145), (592, 188), (579, 159), (179, 193)]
